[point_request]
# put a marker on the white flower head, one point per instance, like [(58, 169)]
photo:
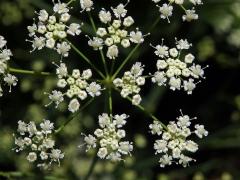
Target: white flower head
[(51, 30), (174, 70), (37, 144), (74, 105), (174, 142), (131, 82), (109, 138)]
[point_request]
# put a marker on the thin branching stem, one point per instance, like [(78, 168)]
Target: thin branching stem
[(92, 166), (73, 116), (28, 72), (110, 100), (85, 58), (146, 112), (101, 51)]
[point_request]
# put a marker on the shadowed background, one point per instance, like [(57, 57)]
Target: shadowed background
[(216, 100)]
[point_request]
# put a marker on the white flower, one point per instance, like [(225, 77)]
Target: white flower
[(136, 37), (190, 15), (120, 10), (161, 51), (166, 11), (73, 105), (104, 120), (125, 147), (56, 97), (189, 86), (22, 127), (165, 160), (56, 155), (136, 100), (105, 16), (60, 8), (11, 80), (159, 78), (96, 43), (196, 2), (32, 157), (189, 58), (3, 42), (63, 49), (86, 5), (175, 83), (191, 146), (47, 127), (128, 21), (74, 29), (200, 131), (94, 89), (43, 155), (102, 153), (112, 52), (183, 44), (173, 52), (160, 146), (120, 120), (156, 128)]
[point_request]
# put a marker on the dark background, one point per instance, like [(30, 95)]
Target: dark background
[(216, 101)]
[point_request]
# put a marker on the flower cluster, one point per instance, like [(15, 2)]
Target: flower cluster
[(116, 32), (5, 55), (130, 83), (175, 72), (51, 31), (166, 9), (174, 143), (76, 87), (108, 138), (38, 143)]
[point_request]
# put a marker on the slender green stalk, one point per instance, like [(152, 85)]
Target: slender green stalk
[(125, 61), (146, 112), (154, 24), (70, 2), (85, 58), (110, 100), (28, 72), (101, 51), (73, 116), (93, 164)]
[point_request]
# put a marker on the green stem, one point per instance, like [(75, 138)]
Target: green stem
[(101, 51), (154, 24), (73, 116), (85, 58), (110, 100), (23, 71), (93, 164), (70, 2), (125, 61)]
